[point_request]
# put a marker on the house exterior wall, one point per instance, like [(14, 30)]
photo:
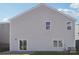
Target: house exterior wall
[(4, 35), (77, 32), (31, 27)]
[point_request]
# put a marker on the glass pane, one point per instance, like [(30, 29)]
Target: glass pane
[(69, 27), (48, 25), (20, 45), (25, 44), (60, 43), (55, 43)]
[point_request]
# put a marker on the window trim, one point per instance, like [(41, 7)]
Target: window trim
[(69, 25), (57, 44)]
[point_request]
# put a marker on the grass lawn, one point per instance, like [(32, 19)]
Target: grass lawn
[(53, 53), (4, 50), (42, 53)]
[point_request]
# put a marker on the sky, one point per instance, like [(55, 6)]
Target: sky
[(9, 10)]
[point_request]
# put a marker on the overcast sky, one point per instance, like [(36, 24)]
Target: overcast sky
[(8, 10)]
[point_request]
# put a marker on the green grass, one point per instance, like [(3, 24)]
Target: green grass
[(3, 50), (53, 53)]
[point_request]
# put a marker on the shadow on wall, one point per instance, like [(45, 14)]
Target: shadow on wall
[(77, 45), (4, 47)]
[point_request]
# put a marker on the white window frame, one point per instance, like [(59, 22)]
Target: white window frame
[(58, 44), (69, 24)]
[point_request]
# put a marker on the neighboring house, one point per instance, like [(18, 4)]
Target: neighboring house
[(4, 35), (77, 36), (42, 29), (77, 32)]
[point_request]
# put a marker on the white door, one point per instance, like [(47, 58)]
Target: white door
[(22, 44)]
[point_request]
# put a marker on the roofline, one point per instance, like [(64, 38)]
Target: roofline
[(44, 4), (66, 15), (4, 22), (10, 19)]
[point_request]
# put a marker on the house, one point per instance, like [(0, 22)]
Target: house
[(77, 32), (77, 36), (4, 35), (42, 29)]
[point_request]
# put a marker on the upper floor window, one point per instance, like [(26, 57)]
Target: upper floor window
[(47, 25), (69, 25)]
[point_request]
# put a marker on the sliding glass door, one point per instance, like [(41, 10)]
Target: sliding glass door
[(23, 44)]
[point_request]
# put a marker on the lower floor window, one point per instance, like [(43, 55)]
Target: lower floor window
[(23, 45), (57, 43)]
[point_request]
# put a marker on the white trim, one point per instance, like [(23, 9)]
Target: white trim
[(10, 37)]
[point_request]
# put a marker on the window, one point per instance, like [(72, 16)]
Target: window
[(55, 43), (23, 44), (60, 43), (69, 25), (47, 25)]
